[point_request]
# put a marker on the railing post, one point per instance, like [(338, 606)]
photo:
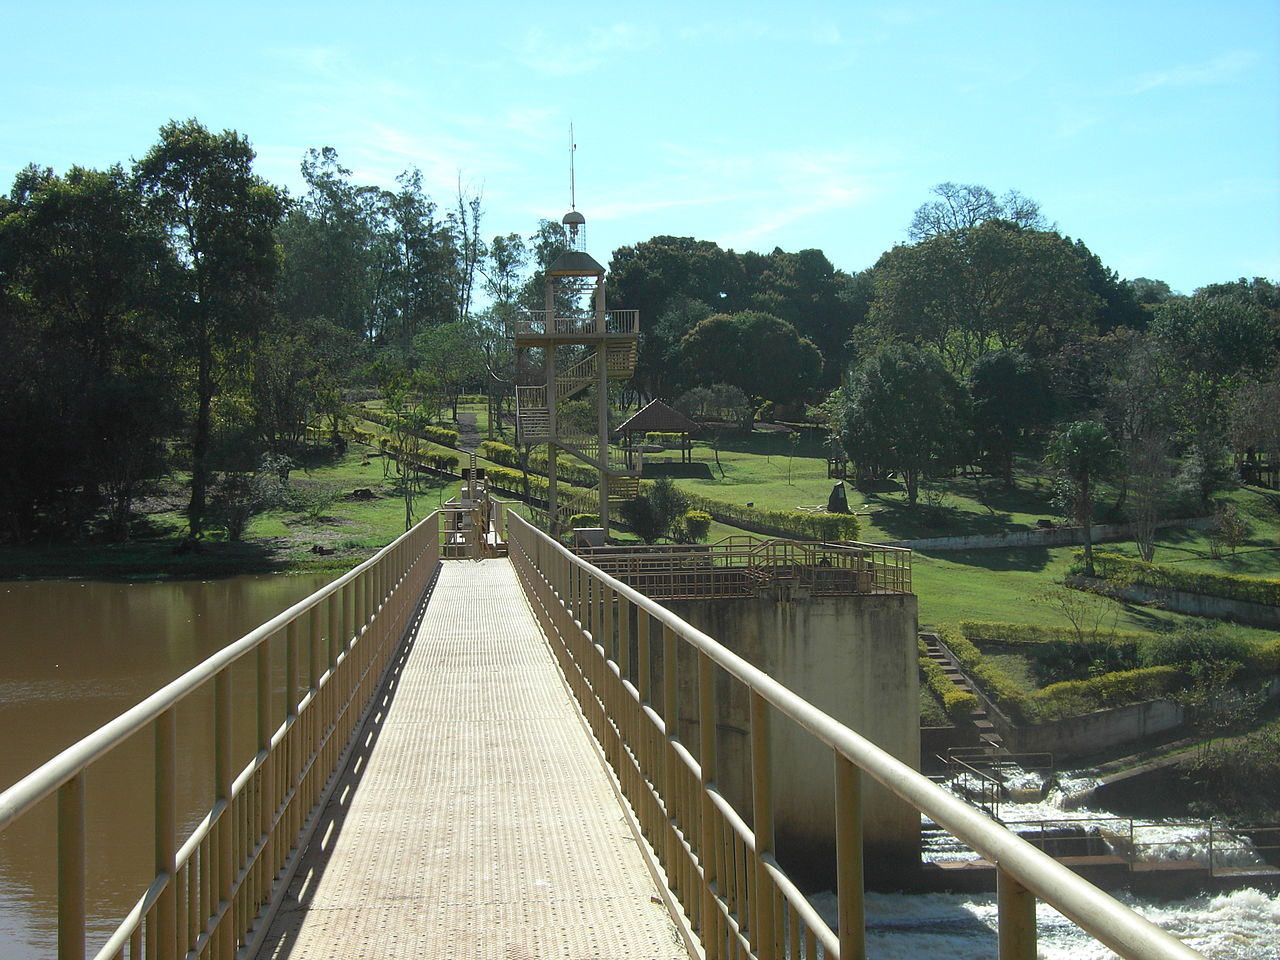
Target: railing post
[(1017, 918), (849, 882), (761, 925), (224, 777), (71, 869), (707, 768), (166, 832)]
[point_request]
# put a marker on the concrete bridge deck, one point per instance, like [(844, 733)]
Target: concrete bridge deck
[(475, 820)]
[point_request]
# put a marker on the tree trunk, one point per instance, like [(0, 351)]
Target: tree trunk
[(200, 441)]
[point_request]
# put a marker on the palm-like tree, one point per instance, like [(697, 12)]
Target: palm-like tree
[(1084, 452)]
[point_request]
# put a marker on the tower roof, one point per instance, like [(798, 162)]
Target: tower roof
[(575, 263)]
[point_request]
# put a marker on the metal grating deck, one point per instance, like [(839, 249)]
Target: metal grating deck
[(477, 820)]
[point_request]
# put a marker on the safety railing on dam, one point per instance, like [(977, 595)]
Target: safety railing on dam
[(737, 898), (317, 666), (740, 566)]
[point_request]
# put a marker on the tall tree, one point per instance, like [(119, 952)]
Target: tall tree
[(81, 271), (329, 252), (1010, 399), (993, 286), (763, 356), (963, 206), (221, 219), (902, 411)]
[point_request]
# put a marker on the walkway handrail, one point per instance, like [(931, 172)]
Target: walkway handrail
[(209, 887), (590, 614)]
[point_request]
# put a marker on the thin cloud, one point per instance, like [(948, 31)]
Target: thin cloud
[(1218, 70), (561, 55)]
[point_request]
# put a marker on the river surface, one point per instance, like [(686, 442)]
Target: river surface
[(74, 655)]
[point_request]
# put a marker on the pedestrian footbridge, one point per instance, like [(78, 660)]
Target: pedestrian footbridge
[(469, 758)]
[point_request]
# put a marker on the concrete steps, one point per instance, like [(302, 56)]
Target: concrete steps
[(987, 733)]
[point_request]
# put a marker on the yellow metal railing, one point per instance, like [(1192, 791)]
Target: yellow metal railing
[(212, 890), (608, 638), (739, 566)]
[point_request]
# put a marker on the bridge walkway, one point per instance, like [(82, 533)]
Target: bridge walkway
[(475, 820)]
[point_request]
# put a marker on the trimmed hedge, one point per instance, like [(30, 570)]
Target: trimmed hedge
[(1067, 699), (1230, 586), (787, 523), (418, 426), (1032, 633), (568, 470), (956, 702), (502, 453)]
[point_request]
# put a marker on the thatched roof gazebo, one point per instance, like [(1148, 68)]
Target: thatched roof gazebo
[(657, 417)]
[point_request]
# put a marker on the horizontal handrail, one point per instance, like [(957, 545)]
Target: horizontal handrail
[(574, 593), (214, 883), (48, 777)]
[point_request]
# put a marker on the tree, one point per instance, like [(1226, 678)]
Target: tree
[(992, 286), (902, 411), (758, 353), (656, 514), (450, 354), (1010, 399), (1138, 403), (221, 218), (1083, 453), (1213, 342), (962, 206), (329, 245), (88, 391)]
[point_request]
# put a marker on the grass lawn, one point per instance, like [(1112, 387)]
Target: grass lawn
[(779, 470), (1005, 585)]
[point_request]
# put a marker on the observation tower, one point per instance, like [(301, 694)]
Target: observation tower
[(566, 355)]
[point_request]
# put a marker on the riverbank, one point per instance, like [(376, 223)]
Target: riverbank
[(328, 527)]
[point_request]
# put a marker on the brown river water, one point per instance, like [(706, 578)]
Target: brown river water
[(75, 654)]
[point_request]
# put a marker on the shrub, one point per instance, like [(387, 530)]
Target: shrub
[(1033, 633), (584, 520), (1113, 566), (694, 526), (1194, 643), (1068, 698), (784, 523), (499, 453), (959, 703)]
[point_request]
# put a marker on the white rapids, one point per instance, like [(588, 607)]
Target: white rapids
[(1065, 804), (1242, 925)]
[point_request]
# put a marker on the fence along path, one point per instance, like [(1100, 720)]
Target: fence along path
[(475, 819)]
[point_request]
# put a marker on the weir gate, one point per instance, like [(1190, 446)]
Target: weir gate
[(472, 758)]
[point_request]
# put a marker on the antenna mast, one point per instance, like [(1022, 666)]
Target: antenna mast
[(573, 195)]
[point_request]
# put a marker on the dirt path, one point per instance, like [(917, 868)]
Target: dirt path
[(468, 434)]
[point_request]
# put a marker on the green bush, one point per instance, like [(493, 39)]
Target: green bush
[(1066, 699), (1263, 658), (1075, 697), (959, 703), (417, 426), (956, 702), (1113, 566), (499, 453), (1033, 633), (695, 525), (658, 436), (1194, 643), (584, 520), (786, 523)]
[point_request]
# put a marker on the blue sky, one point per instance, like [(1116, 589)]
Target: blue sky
[(1149, 130)]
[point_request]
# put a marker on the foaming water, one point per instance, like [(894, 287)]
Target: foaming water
[(1065, 804), (1242, 925)]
